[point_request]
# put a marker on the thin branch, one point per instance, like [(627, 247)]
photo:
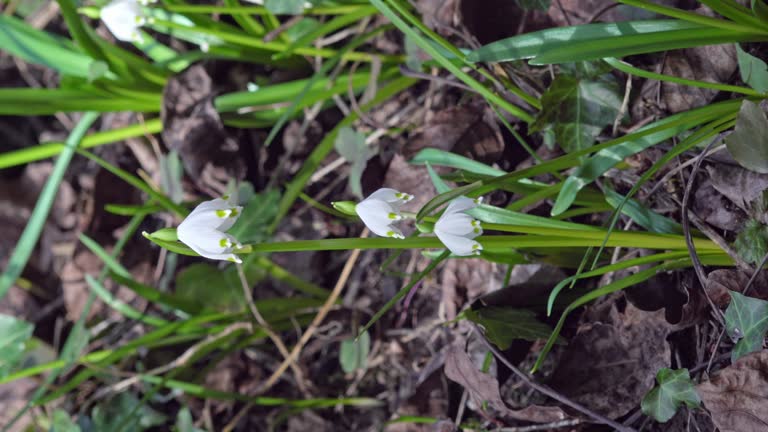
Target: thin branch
[(598, 418)]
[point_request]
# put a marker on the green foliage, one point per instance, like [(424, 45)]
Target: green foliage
[(752, 242), (184, 422), (753, 71), (760, 9), (126, 413), (259, 213), (577, 109), (746, 320), (285, 7), (171, 173), (504, 325), (212, 289), (14, 334), (62, 422), (674, 388), (748, 143), (351, 146), (353, 354)]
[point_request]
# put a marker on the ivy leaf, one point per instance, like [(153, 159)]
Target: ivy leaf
[(577, 109), (351, 146), (752, 242), (748, 143), (14, 334), (504, 325), (675, 387), (354, 353), (753, 71), (746, 320)]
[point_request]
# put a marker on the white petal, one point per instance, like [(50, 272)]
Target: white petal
[(392, 197), (458, 245), (378, 216), (216, 214), (208, 242), (460, 224), (122, 18), (461, 204)]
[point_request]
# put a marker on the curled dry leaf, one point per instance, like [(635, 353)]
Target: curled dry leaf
[(739, 185), (737, 397), (192, 126), (484, 389)]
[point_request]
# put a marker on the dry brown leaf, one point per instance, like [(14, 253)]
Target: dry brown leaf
[(438, 15), (740, 185), (483, 388), (192, 126), (609, 367), (462, 129), (13, 397), (716, 209), (737, 397)]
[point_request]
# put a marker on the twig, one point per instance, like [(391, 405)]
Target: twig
[(599, 418), (321, 314), (541, 427), (624, 105), (268, 329), (698, 267)]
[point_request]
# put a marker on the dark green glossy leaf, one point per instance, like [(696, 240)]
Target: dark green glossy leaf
[(504, 325), (674, 388), (577, 110), (752, 242), (746, 320)]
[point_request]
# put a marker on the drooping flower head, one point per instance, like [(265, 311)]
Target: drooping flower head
[(123, 18), (203, 230), (457, 230), (381, 210)]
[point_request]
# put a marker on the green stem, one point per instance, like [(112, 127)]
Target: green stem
[(565, 238)]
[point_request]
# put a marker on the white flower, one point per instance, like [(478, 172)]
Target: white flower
[(123, 18), (457, 229), (203, 230), (381, 209)]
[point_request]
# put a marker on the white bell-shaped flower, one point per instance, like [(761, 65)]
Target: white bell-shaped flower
[(381, 210), (457, 230), (123, 18), (203, 230)]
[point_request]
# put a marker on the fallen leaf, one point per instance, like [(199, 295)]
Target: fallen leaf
[(192, 126), (484, 389), (737, 396), (716, 209), (464, 130), (748, 143), (13, 398), (746, 320), (741, 186), (610, 367), (438, 14), (675, 388)]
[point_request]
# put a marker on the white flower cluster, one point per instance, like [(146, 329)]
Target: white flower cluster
[(456, 229), (124, 18)]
